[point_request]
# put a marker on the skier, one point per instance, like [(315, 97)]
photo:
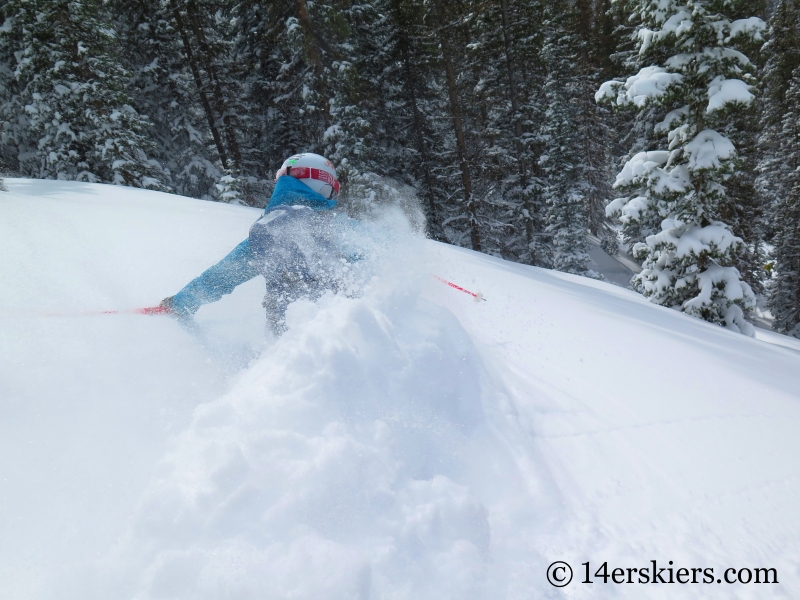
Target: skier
[(299, 245)]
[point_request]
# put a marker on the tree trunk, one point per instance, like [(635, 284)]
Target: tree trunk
[(455, 110), (212, 122)]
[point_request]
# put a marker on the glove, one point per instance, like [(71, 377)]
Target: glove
[(172, 310), (176, 309), (167, 303)]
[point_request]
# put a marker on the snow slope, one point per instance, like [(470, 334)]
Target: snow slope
[(411, 443)]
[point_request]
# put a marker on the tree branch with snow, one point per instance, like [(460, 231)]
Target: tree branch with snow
[(703, 81)]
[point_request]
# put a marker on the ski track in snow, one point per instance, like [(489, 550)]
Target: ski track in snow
[(410, 443)]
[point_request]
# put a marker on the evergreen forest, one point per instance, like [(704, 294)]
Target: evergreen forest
[(668, 130)]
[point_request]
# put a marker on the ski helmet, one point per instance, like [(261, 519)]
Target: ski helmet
[(316, 171)]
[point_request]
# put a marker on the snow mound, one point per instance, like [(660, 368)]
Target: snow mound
[(330, 468)]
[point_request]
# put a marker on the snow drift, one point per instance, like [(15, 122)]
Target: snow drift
[(407, 443)]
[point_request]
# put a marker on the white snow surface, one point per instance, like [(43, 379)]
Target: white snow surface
[(410, 443)]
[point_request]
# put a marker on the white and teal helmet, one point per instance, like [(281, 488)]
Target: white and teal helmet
[(316, 171)]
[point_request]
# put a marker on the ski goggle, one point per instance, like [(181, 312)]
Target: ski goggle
[(310, 173)]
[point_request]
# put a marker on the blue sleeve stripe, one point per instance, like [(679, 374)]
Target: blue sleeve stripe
[(217, 281)]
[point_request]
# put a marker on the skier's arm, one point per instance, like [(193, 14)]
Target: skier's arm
[(215, 282)]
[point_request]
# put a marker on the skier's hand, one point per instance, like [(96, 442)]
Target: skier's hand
[(173, 310), (167, 303)]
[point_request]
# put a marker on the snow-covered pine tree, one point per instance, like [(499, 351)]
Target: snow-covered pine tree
[(563, 161), (412, 104), (74, 118), (784, 300), (698, 71), (289, 47), (356, 136), (564, 188), (593, 121), (365, 139), (270, 80), (9, 44), (162, 87), (782, 52), (523, 40), (463, 32), (207, 32), (313, 82), (302, 91), (743, 208), (447, 21), (634, 125), (502, 82)]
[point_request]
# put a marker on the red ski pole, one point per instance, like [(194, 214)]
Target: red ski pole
[(478, 297), (150, 310)]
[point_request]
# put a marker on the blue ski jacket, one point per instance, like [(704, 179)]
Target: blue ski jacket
[(239, 265)]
